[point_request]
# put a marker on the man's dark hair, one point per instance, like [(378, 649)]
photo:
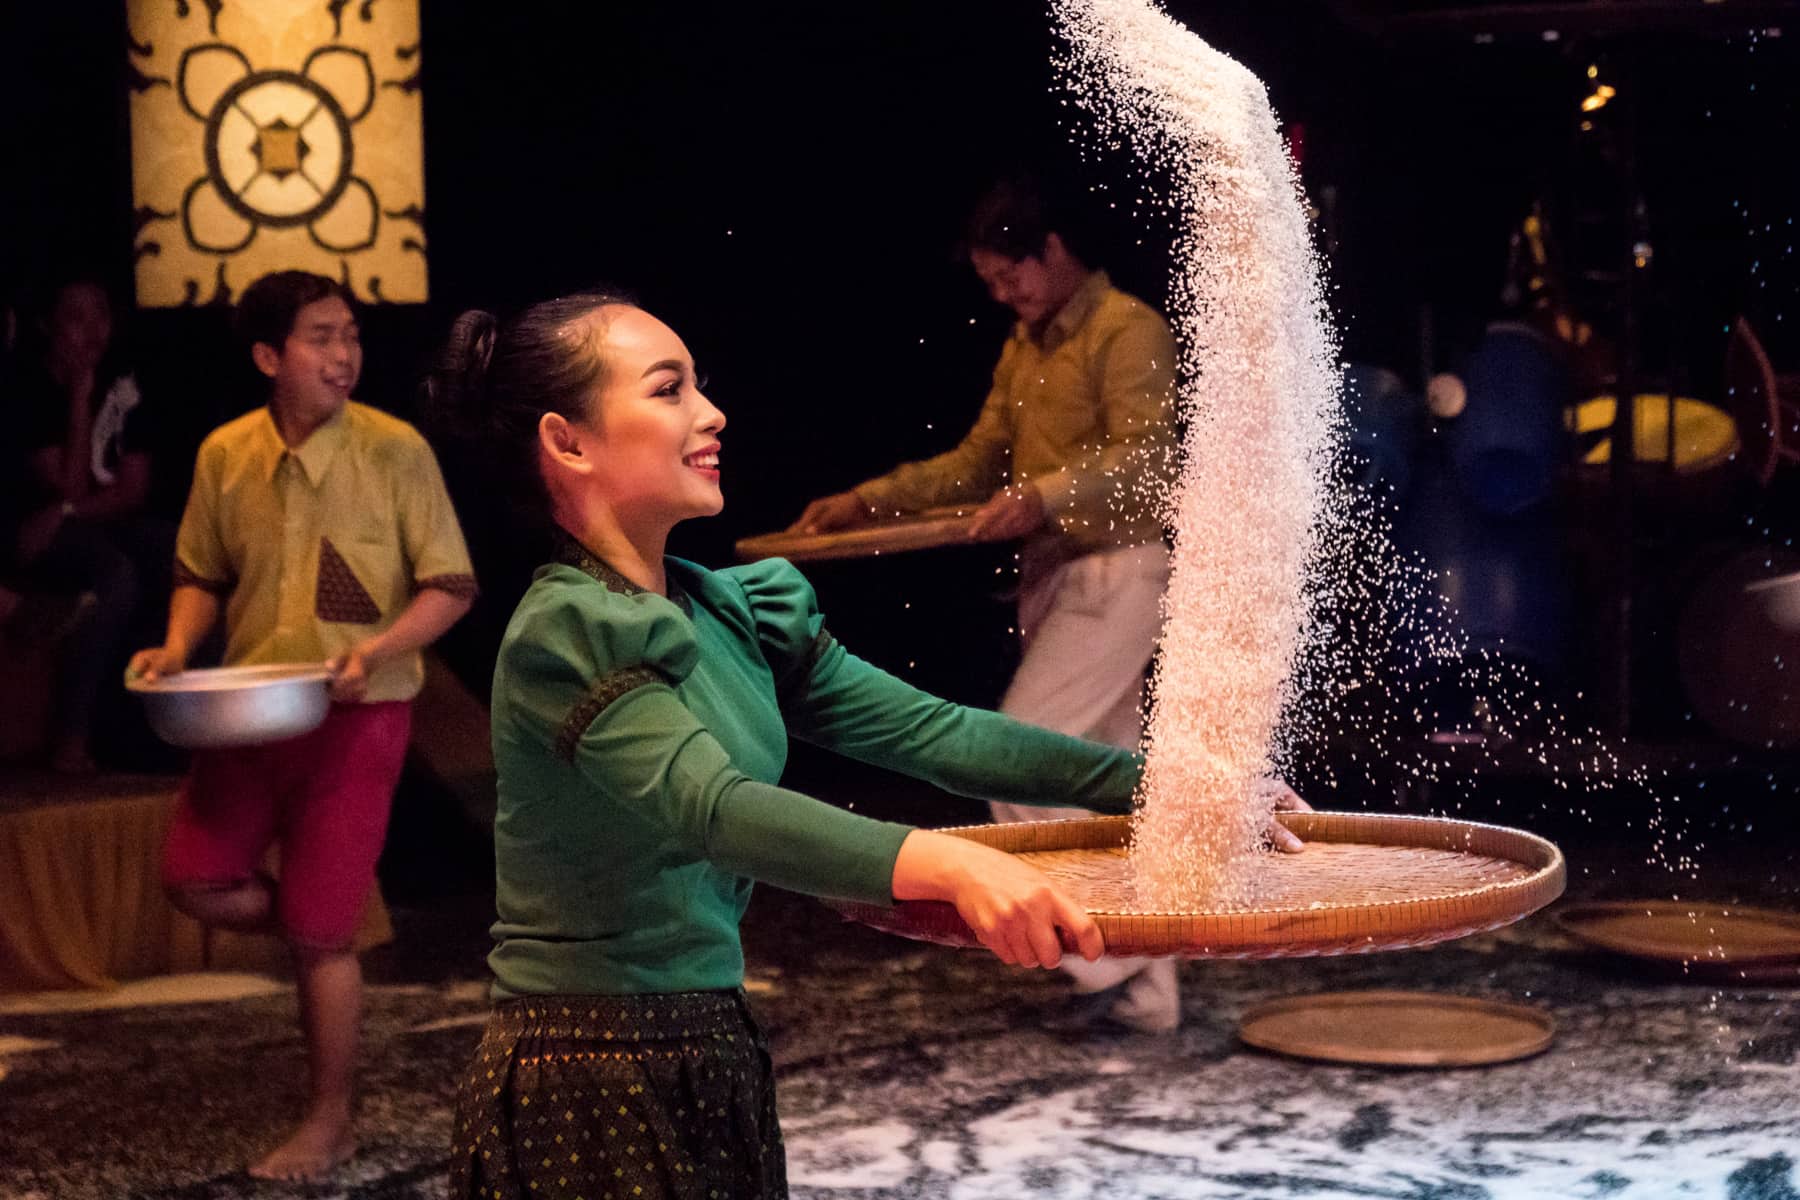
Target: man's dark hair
[(1016, 216), (267, 309)]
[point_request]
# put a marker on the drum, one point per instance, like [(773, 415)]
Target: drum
[(1767, 405), (1385, 423), (1506, 579), (1506, 444), (1739, 648), (1689, 434)]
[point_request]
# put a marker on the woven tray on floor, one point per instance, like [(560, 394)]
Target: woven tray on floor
[(1364, 882)]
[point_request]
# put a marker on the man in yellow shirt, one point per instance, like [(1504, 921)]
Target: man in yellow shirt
[(1072, 451), (323, 530)]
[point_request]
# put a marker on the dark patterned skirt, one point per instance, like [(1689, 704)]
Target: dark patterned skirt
[(628, 1097)]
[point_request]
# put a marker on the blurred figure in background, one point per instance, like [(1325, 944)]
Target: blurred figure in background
[(1071, 452), (320, 531), (78, 522)]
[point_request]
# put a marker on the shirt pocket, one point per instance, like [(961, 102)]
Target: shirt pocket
[(354, 572)]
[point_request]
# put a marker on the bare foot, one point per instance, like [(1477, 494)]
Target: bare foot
[(313, 1151)]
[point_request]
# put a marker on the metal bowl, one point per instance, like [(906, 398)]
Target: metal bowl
[(236, 706)]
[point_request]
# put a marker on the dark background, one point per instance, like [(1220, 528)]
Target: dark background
[(784, 185)]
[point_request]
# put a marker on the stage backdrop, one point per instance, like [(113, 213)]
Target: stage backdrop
[(273, 134)]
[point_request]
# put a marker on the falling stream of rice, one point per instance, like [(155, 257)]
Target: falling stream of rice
[(1294, 627), (1253, 503)]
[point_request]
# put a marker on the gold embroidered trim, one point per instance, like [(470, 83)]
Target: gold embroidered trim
[(572, 553), (794, 684), (574, 1056), (820, 646), (605, 690)]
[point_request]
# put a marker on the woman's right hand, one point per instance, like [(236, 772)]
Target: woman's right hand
[(155, 662), (1012, 906)]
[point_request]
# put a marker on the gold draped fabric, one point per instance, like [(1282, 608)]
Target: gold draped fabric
[(81, 900)]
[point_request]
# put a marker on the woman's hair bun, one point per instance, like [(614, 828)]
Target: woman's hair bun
[(456, 386), (470, 346), (492, 382)]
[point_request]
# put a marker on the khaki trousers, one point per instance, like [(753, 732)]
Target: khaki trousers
[(1089, 630)]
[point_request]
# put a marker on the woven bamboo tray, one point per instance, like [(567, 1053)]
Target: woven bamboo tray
[(1731, 942), (920, 531), (1365, 882), (1398, 1029)]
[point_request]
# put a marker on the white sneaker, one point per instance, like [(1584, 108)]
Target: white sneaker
[(1105, 974), (1152, 999)]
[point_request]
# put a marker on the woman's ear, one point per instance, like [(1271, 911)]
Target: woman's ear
[(561, 443)]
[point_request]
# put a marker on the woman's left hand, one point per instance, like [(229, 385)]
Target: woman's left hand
[(1282, 798)]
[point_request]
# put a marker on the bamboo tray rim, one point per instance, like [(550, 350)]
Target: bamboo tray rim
[(930, 529), (1443, 906), (1306, 826)]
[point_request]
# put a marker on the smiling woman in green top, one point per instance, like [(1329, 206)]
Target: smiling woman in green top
[(641, 710)]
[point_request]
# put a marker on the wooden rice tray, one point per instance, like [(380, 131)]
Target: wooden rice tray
[(921, 531), (1398, 1029), (1365, 882), (1725, 941)]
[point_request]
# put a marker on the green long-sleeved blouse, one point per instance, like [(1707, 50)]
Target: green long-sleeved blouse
[(639, 739)]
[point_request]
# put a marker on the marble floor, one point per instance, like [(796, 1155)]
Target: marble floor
[(956, 1089), (913, 1071), (908, 1070)]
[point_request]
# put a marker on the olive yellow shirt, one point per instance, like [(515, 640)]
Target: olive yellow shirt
[(317, 548), (1083, 412)]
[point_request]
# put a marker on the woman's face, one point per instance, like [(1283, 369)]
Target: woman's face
[(656, 440)]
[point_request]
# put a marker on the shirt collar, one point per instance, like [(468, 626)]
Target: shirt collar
[(316, 454), (572, 553), (1074, 312)]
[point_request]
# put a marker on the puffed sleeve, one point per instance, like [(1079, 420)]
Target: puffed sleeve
[(789, 626), (578, 649), (591, 676), (834, 699)]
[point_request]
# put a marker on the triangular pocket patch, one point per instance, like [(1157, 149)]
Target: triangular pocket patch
[(341, 596)]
